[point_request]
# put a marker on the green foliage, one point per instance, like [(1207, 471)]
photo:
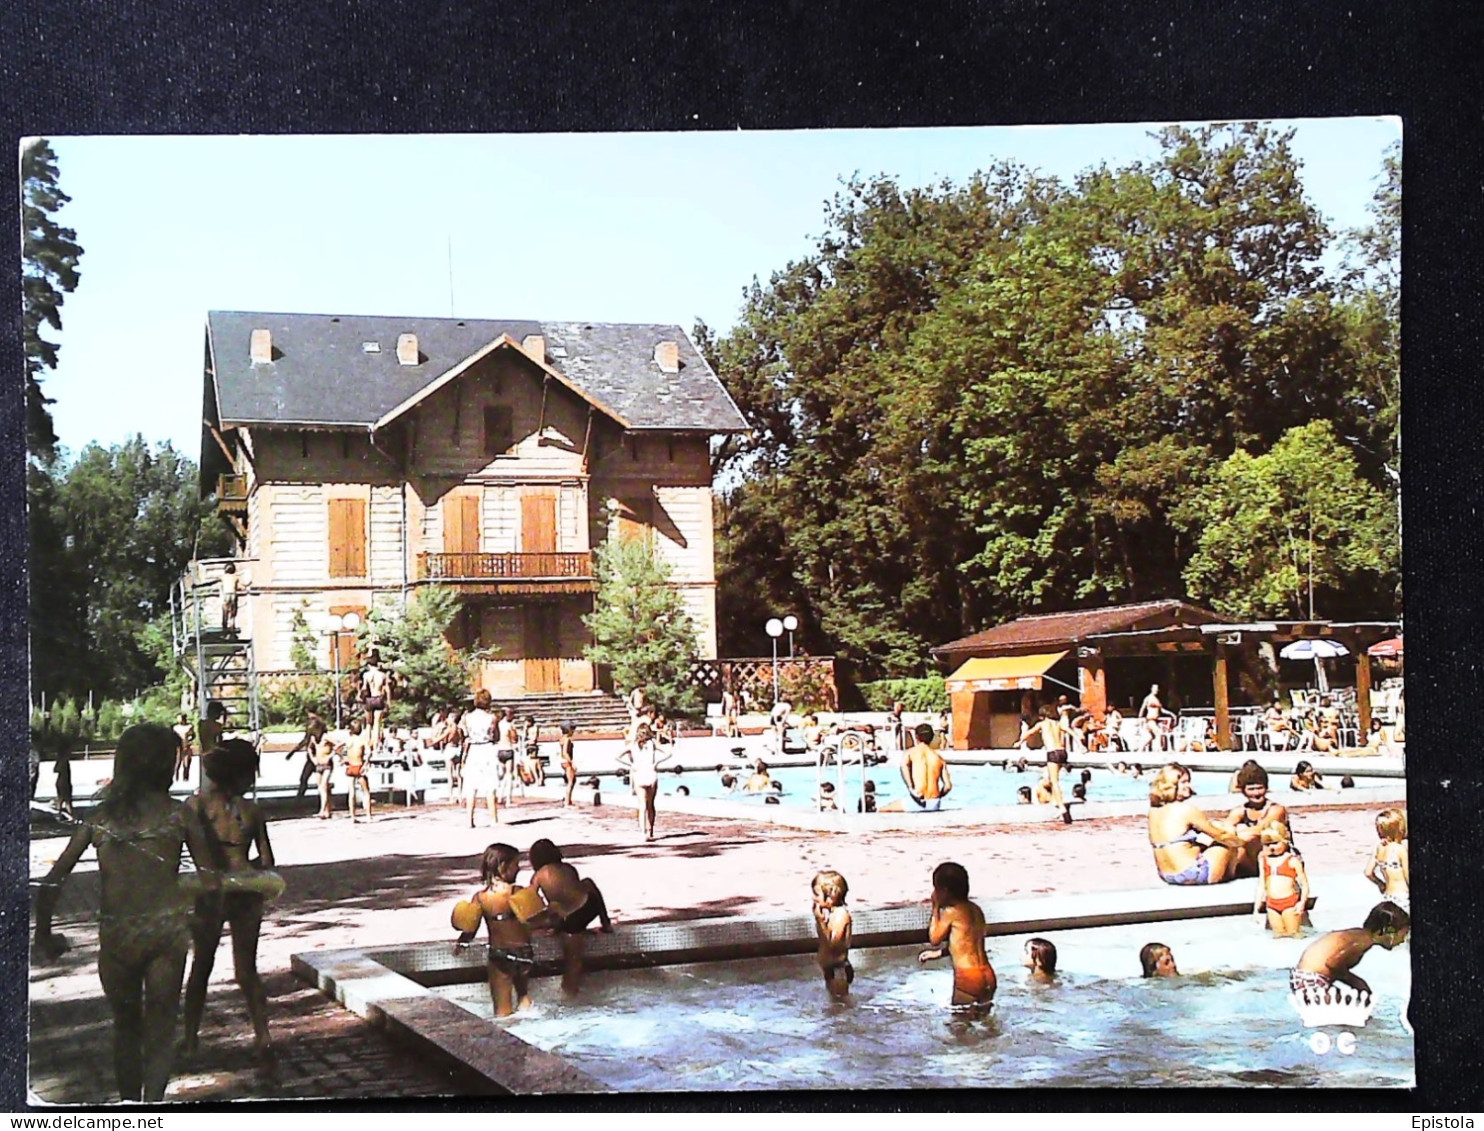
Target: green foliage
[(49, 257), (303, 640), (926, 694), (412, 643), (1269, 528), (290, 698), (640, 628), (973, 402), (111, 533), (806, 686)]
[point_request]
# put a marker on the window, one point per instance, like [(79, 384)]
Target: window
[(499, 429), (347, 536)]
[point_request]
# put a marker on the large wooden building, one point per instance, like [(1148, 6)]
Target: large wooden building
[(360, 459)]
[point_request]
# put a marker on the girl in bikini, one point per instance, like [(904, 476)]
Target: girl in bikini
[(1282, 885), (1390, 867), (569, 767), (511, 956), (143, 923), (234, 827)]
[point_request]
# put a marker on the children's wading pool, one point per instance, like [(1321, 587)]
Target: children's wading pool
[(768, 1023)]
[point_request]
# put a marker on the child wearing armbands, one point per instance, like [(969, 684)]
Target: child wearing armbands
[(499, 904), (832, 921)]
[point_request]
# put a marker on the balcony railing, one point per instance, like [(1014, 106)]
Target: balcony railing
[(231, 492), (503, 567)]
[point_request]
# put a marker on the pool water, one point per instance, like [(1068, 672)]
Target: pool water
[(769, 1023), (973, 786)]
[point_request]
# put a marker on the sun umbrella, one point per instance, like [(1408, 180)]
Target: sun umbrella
[(1387, 649), (1314, 650), (1318, 651)]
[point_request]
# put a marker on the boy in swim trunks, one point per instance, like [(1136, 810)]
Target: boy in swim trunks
[(1334, 957), (572, 903), (956, 929), (925, 772), (832, 921), (510, 954)]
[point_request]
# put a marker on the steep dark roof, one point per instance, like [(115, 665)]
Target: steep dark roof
[(1066, 629), (321, 375)]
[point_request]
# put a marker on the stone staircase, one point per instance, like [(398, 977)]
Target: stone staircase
[(588, 712)]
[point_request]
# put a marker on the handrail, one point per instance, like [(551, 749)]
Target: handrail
[(500, 566)]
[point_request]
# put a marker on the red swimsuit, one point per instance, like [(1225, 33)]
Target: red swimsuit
[(1285, 868)]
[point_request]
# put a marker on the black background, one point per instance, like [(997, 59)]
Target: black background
[(334, 66)]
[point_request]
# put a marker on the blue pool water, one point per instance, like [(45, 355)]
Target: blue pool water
[(769, 1024), (973, 786)]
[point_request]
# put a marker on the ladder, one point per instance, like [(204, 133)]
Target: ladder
[(220, 664)]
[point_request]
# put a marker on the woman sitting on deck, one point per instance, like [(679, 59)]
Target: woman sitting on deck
[(1175, 828)]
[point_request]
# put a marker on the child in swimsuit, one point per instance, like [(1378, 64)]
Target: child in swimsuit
[(832, 921), (143, 923), (234, 826), (956, 929), (510, 954), (1040, 960), (1390, 867), (572, 904), (569, 767), (1333, 958), (1282, 884), (1158, 961)]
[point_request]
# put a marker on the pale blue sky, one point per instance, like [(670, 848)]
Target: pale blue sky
[(600, 227)]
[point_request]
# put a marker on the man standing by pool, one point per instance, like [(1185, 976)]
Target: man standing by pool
[(925, 772)]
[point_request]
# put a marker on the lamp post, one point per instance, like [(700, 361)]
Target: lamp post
[(790, 623), (334, 625), (775, 630)]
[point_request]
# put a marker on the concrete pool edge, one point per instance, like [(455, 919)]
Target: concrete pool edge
[(388, 985)]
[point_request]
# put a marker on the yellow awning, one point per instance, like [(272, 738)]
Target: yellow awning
[(1003, 673)]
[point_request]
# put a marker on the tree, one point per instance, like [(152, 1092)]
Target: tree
[(49, 257), (304, 640), (126, 521), (640, 627), (1292, 533), (972, 402), (411, 641)]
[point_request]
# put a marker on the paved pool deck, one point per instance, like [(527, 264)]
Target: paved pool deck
[(393, 881)]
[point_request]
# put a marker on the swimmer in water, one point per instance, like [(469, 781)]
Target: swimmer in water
[(1333, 957), (1158, 961), (832, 922), (956, 929), (511, 956), (1040, 959)]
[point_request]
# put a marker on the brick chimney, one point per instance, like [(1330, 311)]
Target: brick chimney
[(261, 349), (667, 356), (406, 349), (535, 347)]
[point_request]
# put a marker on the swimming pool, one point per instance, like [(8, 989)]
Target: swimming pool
[(767, 1024), (973, 786)]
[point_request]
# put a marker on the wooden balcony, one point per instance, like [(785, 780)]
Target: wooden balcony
[(564, 572), (231, 494)]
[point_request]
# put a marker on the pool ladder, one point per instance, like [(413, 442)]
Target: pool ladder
[(849, 748)]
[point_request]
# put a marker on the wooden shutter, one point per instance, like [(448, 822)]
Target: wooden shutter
[(461, 524), (538, 534), (347, 537)]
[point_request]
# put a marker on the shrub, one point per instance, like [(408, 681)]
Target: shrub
[(926, 694), (290, 698)]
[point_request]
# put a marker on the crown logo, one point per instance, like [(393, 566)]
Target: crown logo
[(1332, 1005)]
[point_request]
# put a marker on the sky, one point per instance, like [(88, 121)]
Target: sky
[(658, 228)]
